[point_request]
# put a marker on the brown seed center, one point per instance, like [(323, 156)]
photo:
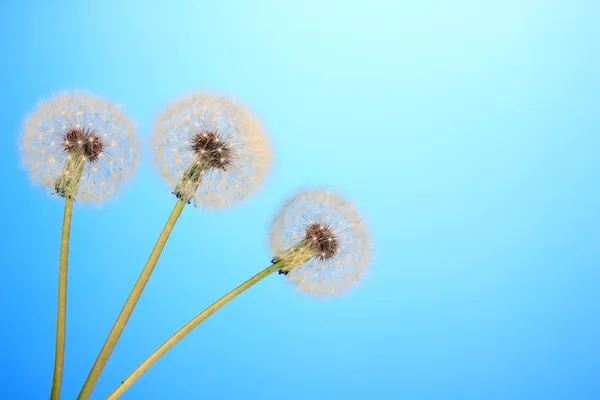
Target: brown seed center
[(84, 141), (212, 150), (322, 240)]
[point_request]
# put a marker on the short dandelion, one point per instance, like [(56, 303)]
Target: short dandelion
[(83, 148), (320, 224), (319, 241), (212, 151)]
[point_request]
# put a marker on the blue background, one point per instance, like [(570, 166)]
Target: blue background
[(466, 132)]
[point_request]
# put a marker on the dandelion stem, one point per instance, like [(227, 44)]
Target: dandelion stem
[(127, 310), (61, 320), (70, 178), (191, 179), (189, 327)]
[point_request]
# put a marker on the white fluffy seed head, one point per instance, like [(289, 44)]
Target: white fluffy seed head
[(74, 128), (223, 140), (330, 229)]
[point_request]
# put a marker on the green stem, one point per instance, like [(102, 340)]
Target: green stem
[(191, 179), (61, 320), (130, 304), (70, 178), (188, 328)]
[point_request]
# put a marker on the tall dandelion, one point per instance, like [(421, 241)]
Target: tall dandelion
[(80, 147), (320, 243), (212, 151)]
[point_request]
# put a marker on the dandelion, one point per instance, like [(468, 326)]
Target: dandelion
[(80, 147), (211, 150), (320, 243), (328, 231)]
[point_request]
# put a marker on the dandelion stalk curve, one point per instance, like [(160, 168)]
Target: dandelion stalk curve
[(130, 304), (173, 340), (320, 243)]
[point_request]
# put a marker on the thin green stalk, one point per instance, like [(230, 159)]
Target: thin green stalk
[(189, 327), (69, 180), (190, 181), (134, 296), (61, 320)]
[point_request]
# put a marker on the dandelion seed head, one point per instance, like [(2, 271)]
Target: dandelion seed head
[(333, 244), (211, 149), (79, 144)]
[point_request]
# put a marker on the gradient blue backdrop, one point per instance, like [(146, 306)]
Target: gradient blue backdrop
[(466, 131)]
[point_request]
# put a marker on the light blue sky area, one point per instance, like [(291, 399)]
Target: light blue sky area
[(467, 133)]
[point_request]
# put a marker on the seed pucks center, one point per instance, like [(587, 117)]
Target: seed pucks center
[(85, 142), (322, 240), (213, 151)]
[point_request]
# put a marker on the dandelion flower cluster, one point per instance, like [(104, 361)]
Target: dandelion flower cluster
[(324, 242), (79, 145), (211, 149)]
